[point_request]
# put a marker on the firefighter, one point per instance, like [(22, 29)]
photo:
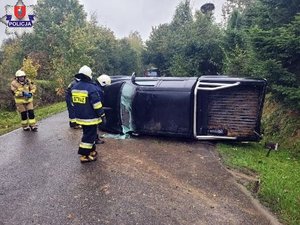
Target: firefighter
[(71, 112), (23, 90), (102, 81), (88, 112)]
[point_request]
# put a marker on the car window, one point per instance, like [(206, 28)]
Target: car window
[(127, 94)]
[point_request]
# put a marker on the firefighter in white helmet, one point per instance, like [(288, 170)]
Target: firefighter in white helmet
[(102, 81), (88, 112), (23, 90)]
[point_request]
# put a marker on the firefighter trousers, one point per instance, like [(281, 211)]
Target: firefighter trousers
[(27, 114), (87, 144)]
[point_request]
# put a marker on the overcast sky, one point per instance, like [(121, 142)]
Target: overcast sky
[(123, 16)]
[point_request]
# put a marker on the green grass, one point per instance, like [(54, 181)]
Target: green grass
[(11, 120), (279, 174)]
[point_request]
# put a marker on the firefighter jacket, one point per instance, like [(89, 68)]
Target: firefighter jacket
[(70, 86), (18, 89), (100, 90), (87, 102)]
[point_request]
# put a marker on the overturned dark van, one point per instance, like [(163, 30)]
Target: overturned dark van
[(205, 108)]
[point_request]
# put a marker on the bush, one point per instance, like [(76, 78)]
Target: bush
[(46, 93), (6, 100)]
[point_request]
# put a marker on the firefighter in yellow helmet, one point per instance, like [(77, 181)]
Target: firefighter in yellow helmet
[(23, 90)]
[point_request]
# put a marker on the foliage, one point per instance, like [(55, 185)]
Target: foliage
[(127, 57), (231, 6), (157, 50), (188, 46), (11, 59), (11, 52), (183, 16), (269, 14), (30, 68), (136, 43), (262, 40), (47, 92)]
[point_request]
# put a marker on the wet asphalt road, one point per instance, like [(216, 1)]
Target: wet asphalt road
[(136, 181)]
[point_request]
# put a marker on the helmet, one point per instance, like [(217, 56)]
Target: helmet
[(104, 80), (20, 73), (86, 71)]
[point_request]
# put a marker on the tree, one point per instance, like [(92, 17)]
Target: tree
[(58, 22), (279, 49), (280, 12), (183, 15), (158, 48), (12, 59), (105, 48), (136, 43), (235, 5), (262, 40), (30, 68), (12, 56), (127, 58), (205, 46), (186, 46)]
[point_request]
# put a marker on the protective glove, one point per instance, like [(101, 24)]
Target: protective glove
[(27, 94)]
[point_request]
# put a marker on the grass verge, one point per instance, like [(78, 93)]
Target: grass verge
[(11, 120), (279, 175)]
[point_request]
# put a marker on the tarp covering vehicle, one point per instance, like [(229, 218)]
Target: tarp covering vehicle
[(205, 108)]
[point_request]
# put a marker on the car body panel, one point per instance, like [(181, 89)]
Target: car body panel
[(205, 108)]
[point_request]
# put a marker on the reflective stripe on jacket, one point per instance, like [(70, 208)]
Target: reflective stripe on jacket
[(87, 103)]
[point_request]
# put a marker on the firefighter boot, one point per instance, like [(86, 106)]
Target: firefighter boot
[(94, 153), (74, 125), (98, 140), (33, 128), (26, 128), (87, 158), (32, 120), (77, 126)]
